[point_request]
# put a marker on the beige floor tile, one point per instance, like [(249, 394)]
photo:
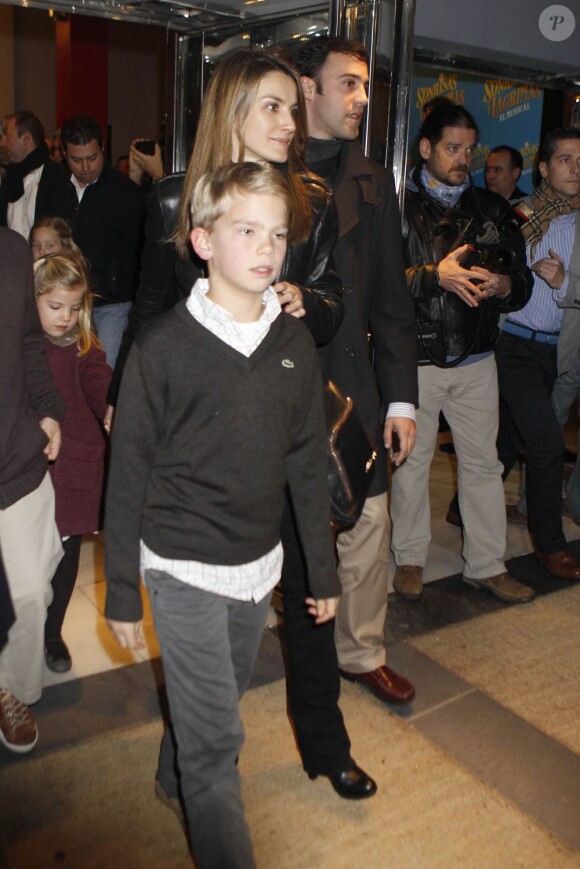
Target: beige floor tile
[(92, 647)]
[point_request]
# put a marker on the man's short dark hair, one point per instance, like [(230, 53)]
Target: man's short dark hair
[(311, 57), (551, 139), (27, 122), (446, 116), (81, 130), (516, 159)]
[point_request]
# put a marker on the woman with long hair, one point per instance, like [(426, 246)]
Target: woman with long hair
[(253, 110)]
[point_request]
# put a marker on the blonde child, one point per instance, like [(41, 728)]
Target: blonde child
[(220, 407), (82, 376), (52, 235)]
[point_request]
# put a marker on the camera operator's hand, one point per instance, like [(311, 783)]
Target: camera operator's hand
[(551, 269), (493, 284), (455, 279), (144, 164)]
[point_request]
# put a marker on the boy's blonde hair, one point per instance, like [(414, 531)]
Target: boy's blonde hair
[(62, 229), (229, 97), (215, 190), (69, 272)]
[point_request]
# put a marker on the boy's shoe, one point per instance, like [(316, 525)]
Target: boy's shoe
[(504, 587), (18, 732), (57, 655)]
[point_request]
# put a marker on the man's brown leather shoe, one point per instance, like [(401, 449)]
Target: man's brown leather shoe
[(560, 564), (384, 683)]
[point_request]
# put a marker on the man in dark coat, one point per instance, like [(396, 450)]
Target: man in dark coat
[(368, 257), (33, 184), (108, 217)]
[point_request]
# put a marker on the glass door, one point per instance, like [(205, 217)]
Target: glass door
[(385, 27), (196, 56)]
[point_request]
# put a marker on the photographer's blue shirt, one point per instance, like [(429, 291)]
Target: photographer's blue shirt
[(542, 312)]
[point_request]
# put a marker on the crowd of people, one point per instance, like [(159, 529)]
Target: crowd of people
[(198, 326)]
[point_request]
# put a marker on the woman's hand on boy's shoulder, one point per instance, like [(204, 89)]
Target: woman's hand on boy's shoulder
[(129, 635), (323, 610), (290, 297)]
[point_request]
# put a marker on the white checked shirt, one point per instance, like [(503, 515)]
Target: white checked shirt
[(253, 580)]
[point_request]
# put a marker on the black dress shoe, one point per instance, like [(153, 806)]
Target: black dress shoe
[(353, 784)]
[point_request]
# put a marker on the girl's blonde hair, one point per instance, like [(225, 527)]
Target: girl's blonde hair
[(229, 97), (62, 229), (69, 272)]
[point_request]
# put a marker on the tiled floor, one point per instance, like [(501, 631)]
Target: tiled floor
[(537, 773)]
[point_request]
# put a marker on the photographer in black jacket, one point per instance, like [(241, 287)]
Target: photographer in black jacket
[(452, 232)]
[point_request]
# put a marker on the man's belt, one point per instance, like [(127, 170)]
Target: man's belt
[(530, 334)]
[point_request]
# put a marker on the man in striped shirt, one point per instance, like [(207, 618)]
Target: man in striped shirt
[(535, 343)]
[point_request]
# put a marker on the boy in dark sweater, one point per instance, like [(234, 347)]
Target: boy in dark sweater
[(220, 408)]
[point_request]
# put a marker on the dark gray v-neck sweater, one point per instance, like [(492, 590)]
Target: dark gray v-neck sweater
[(204, 442)]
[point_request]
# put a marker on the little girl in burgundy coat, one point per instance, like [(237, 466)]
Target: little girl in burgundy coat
[(82, 376)]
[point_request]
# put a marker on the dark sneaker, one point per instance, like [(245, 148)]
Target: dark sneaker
[(18, 731)]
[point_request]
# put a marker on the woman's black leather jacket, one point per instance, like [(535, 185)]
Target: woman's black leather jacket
[(430, 233), (166, 278)]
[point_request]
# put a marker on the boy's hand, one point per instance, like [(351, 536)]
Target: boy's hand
[(323, 610), (290, 297), (128, 634)]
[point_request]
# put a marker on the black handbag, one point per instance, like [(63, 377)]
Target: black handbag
[(351, 458)]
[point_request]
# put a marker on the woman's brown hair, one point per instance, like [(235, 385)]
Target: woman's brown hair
[(229, 97)]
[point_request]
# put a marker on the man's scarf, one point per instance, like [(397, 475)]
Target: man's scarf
[(13, 181), (445, 194), (540, 209)]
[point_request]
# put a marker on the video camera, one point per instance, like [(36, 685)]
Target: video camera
[(499, 248)]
